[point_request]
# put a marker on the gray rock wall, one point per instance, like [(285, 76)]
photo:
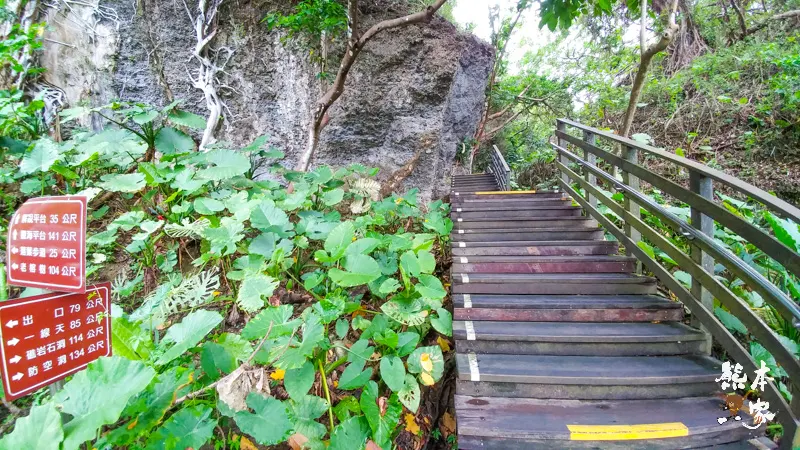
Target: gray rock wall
[(419, 88)]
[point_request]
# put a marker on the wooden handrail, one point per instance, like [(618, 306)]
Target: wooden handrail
[(781, 207), (705, 250)]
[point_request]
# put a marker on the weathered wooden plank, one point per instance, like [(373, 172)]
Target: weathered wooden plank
[(522, 423), (461, 248), (545, 211), (583, 392), (576, 332), (620, 266), (533, 234), (575, 314), (591, 370), (538, 222)]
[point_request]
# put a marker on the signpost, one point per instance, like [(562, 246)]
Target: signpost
[(47, 337), (46, 245)]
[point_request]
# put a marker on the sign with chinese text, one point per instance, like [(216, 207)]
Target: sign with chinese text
[(44, 338), (47, 244)]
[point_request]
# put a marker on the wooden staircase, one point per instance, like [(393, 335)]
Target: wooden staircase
[(561, 345)]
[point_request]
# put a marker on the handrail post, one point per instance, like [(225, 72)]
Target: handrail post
[(562, 127), (589, 138), (702, 186), (632, 156)]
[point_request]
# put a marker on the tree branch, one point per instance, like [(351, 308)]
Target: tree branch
[(767, 21), (354, 47)]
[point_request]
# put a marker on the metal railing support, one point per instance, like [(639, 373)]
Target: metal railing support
[(563, 144)]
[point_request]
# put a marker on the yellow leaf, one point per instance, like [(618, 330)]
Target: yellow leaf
[(411, 424), (443, 343), (247, 444), (427, 379), (278, 374), (426, 363)]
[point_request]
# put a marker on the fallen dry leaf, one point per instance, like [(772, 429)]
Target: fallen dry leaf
[(443, 343), (278, 374), (411, 424), (297, 441), (382, 404), (448, 424), (372, 446), (247, 444), (235, 386), (427, 379)]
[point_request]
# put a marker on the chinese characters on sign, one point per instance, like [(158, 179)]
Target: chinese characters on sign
[(47, 244), (732, 377), (47, 337)]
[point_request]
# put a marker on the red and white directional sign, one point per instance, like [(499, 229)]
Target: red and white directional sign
[(46, 245), (47, 337)]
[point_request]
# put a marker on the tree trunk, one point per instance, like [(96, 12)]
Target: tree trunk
[(354, 46), (644, 66)]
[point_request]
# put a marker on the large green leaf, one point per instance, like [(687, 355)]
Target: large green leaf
[(290, 355), (351, 434), (361, 269), (268, 217), (39, 430), (186, 334), (730, 321), (224, 164), (223, 239), (785, 230), (393, 373), (207, 206), (333, 197), (277, 320), (410, 394), (236, 345), (147, 409), (340, 238), (126, 182), (298, 381), (216, 360), (430, 287), (41, 158), (428, 362), (304, 412), (354, 375), (252, 291), (443, 322), (382, 424), (171, 141), (427, 262), (411, 314), (129, 340), (191, 427), (187, 119), (269, 424), (97, 395)]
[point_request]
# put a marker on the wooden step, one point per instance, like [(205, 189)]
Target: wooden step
[(517, 195), (577, 338), (543, 264), (480, 202), (557, 283), (586, 377), (544, 248), (540, 222), (510, 206), (566, 308), (544, 211), (529, 234), (531, 424)]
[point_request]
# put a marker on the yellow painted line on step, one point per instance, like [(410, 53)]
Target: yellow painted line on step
[(627, 432), (504, 192)]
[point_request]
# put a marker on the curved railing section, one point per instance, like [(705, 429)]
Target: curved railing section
[(499, 168), (582, 161)]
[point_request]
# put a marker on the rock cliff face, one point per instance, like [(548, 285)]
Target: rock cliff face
[(415, 89)]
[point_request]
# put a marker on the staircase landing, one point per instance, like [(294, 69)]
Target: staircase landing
[(560, 344)]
